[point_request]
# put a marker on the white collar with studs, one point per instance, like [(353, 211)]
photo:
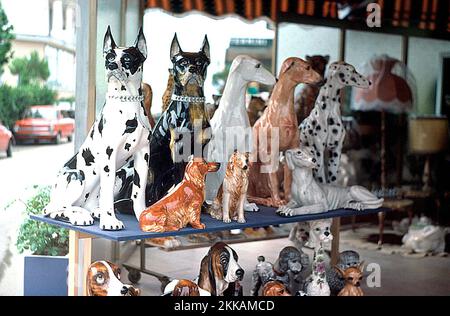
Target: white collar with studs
[(187, 99), (127, 98)]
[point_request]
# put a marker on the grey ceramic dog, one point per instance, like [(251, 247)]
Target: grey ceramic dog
[(310, 197)]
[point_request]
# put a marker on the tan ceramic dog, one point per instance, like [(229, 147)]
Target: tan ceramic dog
[(278, 121), (182, 204), (275, 288), (352, 277), (103, 279), (229, 203)]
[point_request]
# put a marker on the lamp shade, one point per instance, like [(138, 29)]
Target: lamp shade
[(428, 134), (393, 87)]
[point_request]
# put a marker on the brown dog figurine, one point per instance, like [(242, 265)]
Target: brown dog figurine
[(255, 109), (307, 97), (167, 95), (186, 288), (275, 288), (229, 203), (352, 277), (148, 97), (182, 204), (103, 279), (278, 121)]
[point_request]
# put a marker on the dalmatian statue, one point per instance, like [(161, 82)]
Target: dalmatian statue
[(323, 129), (86, 185)]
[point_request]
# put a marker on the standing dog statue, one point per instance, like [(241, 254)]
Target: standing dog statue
[(277, 124), (230, 126), (323, 129), (310, 197), (229, 202), (352, 277), (173, 139), (219, 269), (103, 279), (85, 186), (182, 205)]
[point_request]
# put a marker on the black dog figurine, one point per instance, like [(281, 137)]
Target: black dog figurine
[(168, 156)]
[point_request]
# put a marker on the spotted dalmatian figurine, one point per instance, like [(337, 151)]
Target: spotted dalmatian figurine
[(86, 185), (323, 129)]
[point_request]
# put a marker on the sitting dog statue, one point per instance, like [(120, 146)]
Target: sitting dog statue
[(310, 197), (182, 205), (352, 277), (320, 236), (275, 288), (219, 270), (299, 234), (229, 202), (103, 279), (85, 187), (184, 288), (427, 239), (347, 259), (286, 269), (173, 139)]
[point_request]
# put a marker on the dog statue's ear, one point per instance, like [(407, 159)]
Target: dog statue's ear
[(175, 48), (361, 266), (205, 47), (108, 41), (327, 58), (289, 161), (141, 43), (341, 272)]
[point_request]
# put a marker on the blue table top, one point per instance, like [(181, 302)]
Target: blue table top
[(265, 217)]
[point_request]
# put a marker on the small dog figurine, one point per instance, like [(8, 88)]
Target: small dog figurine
[(352, 277), (229, 203), (311, 197), (103, 279), (347, 259), (86, 185), (299, 234), (275, 288), (184, 288), (182, 205), (320, 235), (219, 269), (255, 109)]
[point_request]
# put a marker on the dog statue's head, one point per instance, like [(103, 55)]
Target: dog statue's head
[(352, 275), (239, 161), (320, 232), (346, 75), (300, 158), (124, 64), (197, 168), (296, 70), (251, 69), (289, 259), (275, 288), (103, 279), (219, 268), (318, 63), (264, 269), (189, 69)]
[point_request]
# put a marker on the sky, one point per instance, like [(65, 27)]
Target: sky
[(159, 29)]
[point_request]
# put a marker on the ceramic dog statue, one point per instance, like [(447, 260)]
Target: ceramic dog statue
[(352, 277), (182, 205), (229, 202), (323, 130), (320, 235), (255, 109), (347, 259), (184, 288), (230, 127), (173, 139), (219, 270), (277, 124), (275, 288), (428, 239), (310, 197), (85, 186), (103, 279)]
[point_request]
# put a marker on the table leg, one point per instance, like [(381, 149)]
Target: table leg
[(381, 216), (87, 260), (73, 282), (335, 230)]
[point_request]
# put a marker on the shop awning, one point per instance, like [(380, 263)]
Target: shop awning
[(428, 18)]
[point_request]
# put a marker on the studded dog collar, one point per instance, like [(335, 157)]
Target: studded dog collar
[(187, 99), (127, 98)]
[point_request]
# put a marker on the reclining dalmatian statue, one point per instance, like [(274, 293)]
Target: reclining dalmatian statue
[(311, 197), (87, 184)]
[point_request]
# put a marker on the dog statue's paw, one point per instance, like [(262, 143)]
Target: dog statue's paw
[(241, 220), (227, 220), (78, 216), (251, 207), (358, 206), (96, 213), (285, 212), (110, 223)]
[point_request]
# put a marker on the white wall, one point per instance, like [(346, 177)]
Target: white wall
[(28, 17)]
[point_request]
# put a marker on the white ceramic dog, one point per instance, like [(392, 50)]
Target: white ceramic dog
[(310, 197), (428, 239), (230, 125)]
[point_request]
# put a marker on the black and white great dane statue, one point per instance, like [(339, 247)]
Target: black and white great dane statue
[(86, 185)]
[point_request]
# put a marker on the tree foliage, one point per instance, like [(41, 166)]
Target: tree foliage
[(6, 37), (31, 70)]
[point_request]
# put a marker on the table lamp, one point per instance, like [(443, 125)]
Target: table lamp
[(428, 135)]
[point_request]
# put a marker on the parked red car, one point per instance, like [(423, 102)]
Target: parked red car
[(6, 140), (45, 122)]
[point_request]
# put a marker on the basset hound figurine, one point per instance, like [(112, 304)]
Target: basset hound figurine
[(184, 288), (220, 270), (103, 279)]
